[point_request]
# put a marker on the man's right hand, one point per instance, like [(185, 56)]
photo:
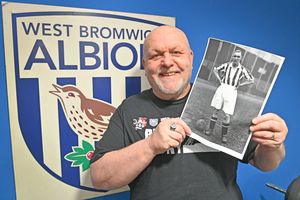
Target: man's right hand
[(163, 138)]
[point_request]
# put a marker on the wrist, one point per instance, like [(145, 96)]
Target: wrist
[(149, 147), (274, 147)]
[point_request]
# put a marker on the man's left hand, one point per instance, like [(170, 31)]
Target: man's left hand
[(269, 130)]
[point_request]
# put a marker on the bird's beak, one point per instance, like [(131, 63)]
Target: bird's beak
[(58, 90)]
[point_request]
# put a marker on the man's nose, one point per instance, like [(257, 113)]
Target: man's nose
[(167, 60)]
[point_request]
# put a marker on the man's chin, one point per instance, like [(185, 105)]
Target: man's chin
[(235, 64), (171, 90)]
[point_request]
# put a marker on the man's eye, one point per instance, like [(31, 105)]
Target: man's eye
[(176, 52), (154, 56)]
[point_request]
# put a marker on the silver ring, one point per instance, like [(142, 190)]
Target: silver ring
[(173, 126), (273, 136)]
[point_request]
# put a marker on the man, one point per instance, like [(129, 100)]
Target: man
[(231, 75), (128, 154)]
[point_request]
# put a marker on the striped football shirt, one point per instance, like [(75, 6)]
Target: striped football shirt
[(232, 75)]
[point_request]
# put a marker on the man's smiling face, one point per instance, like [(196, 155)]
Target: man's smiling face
[(168, 62)]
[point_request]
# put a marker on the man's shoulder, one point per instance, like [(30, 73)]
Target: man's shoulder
[(223, 64), (244, 68)]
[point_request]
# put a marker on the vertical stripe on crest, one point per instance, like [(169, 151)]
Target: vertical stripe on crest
[(102, 88), (133, 85), (67, 139), (29, 115)]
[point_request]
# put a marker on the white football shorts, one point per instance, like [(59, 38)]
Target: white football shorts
[(225, 98)]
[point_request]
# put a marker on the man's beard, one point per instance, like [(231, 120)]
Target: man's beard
[(171, 91)]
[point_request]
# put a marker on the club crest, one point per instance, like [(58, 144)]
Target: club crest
[(140, 123), (153, 122), (67, 70)]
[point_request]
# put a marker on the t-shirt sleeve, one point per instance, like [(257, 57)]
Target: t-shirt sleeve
[(249, 154), (113, 138)]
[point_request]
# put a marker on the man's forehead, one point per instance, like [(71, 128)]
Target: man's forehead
[(162, 46), (167, 42), (165, 38)]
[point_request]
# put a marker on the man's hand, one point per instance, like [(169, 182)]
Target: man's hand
[(269, 130), (163, 138)]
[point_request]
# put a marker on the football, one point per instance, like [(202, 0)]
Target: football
[(201, 124)]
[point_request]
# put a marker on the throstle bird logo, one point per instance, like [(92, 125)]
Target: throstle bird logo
[(88, 118)]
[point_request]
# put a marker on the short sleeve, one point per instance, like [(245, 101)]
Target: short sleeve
[(113, 138), (221, 68), (247, 74)]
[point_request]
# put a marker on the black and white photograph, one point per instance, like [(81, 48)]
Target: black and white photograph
[(230, 89)]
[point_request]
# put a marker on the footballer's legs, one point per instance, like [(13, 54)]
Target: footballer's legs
[(225, 126), (212, 122)]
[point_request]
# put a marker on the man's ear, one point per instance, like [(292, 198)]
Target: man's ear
[(192, 55), (143, 63)]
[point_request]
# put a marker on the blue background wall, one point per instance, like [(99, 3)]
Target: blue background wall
[(273, 26)]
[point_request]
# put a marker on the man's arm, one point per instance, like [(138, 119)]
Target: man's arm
[(247, 82), (248, 78), (216, 72), (118, 168), (269, 131)]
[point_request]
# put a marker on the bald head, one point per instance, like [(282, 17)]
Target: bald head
[(165, 33), (168, 61)]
